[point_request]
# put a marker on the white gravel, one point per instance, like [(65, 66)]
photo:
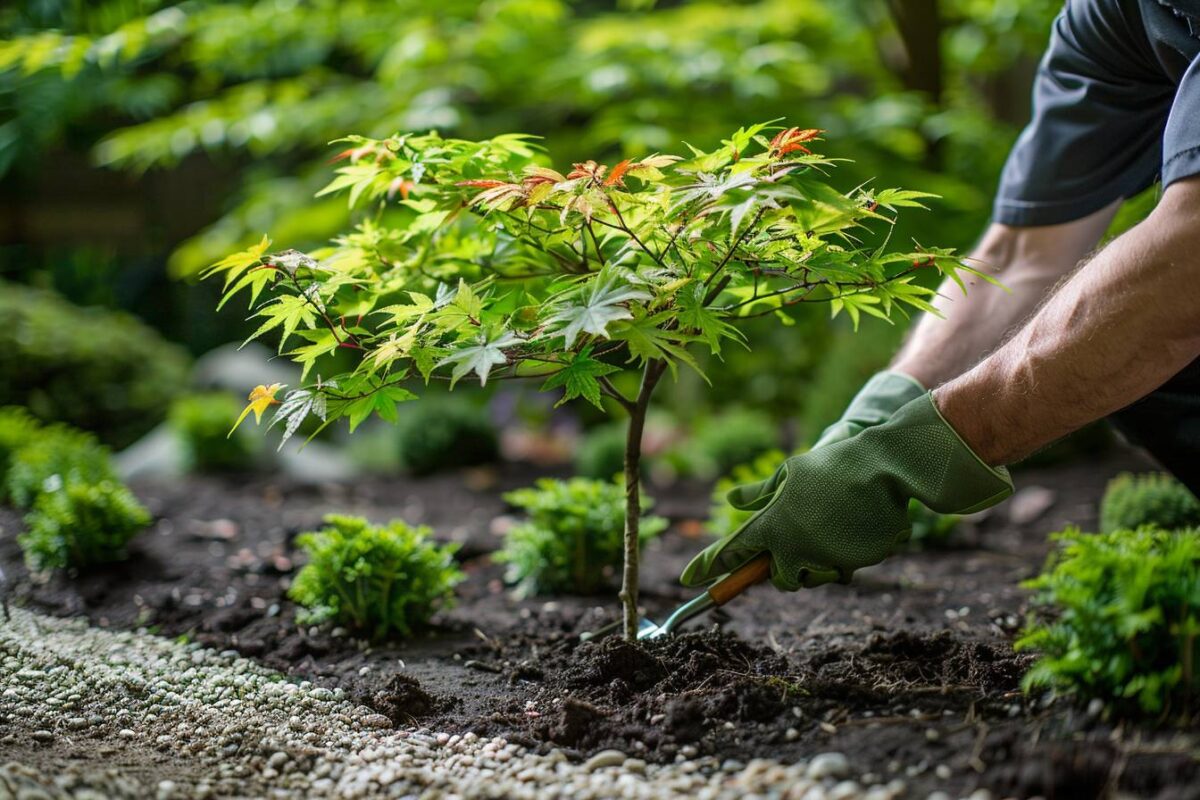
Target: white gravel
[(210, 724)]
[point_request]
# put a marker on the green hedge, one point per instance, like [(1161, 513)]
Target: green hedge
[(100, 370)]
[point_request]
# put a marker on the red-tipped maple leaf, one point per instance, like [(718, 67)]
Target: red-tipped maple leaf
[(482, 184), (790, 140), (401, 185), (588, 169)]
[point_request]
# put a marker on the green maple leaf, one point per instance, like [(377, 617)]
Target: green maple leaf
[(579, 378), (647, 341), (479, 357), (602, 305)]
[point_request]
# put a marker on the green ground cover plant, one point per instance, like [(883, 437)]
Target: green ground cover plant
[(80, 525), (96, 369), (377, 580), (572, 539), (477, 259), (1156, 498), (57, 456), (202, 423), (1119, 620)]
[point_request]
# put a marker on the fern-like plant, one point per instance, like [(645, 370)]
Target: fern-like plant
[(374, 579), (573, 538), (80, 525), (17, 429), (478, 258), (1119, 620)]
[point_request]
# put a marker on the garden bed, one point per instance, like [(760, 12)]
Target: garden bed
[(909, 672)]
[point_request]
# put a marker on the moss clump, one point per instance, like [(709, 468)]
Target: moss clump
[(56, 456), (437, 436)]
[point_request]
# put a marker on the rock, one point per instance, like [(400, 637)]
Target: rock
[(605, 758), (1029, 503), (846, 790), (42, 737), (828, 765)]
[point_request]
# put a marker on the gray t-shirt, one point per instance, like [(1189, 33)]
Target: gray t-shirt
[(1116, 105)]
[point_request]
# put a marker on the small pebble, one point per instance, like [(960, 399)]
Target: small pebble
[(828, 765), (605, 758)]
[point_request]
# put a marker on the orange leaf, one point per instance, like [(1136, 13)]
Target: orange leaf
[(482, 184), (618, 172)]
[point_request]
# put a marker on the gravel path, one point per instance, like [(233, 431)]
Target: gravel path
[(88, 712)]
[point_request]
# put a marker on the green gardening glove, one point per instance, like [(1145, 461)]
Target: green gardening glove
[(844, 506), (874, 404)]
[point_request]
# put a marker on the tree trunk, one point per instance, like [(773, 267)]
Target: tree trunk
[(633, 496)]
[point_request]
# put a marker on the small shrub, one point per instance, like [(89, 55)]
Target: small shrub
[(202, 422), (437, 436), (1120, 619), (57, 456), (100, 370), (930, 530), (724, 519), (375, 579), (1157, 499), (601, 452), (17, 429), (572, 540), (721, 442), (81, 524)]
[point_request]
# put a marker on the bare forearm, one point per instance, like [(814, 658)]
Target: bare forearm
[(1029, 261), (1117, 330)]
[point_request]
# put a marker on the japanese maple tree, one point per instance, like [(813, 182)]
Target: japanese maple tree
[(477, 259)]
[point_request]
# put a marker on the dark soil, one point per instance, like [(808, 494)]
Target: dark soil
[(909, 668)]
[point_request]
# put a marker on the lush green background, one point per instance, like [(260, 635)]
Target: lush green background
[(140, 140)]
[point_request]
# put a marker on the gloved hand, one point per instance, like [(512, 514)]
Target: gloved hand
[(843, 506), (874, 404)]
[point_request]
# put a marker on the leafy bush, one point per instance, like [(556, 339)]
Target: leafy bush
[(17, 428), (446, 435), (56, 457), (95, 369), (601, 452), (1157, 499), (721, 442), (202, 422), (81, 524), (573, 538), (375, 579), (1120, 619)]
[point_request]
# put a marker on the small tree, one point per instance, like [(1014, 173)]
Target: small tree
[(477, 258)]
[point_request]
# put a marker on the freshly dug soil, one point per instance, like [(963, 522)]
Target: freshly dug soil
[(909, 671)]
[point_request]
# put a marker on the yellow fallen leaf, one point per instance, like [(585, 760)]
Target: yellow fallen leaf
[(260, 398)]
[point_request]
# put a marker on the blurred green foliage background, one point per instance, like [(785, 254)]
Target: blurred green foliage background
[(140, 140)]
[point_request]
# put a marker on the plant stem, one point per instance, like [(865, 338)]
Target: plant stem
[(633, 498)]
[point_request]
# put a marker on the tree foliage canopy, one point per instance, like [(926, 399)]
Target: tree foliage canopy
[(475, 258)]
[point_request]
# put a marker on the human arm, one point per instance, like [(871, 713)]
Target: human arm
[(1029, 262), (1118, 329)]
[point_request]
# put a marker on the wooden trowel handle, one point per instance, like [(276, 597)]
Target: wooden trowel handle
[(756, 570)]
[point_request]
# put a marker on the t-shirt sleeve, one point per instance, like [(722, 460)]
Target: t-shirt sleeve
[(1181, 141), (1099, 110)]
